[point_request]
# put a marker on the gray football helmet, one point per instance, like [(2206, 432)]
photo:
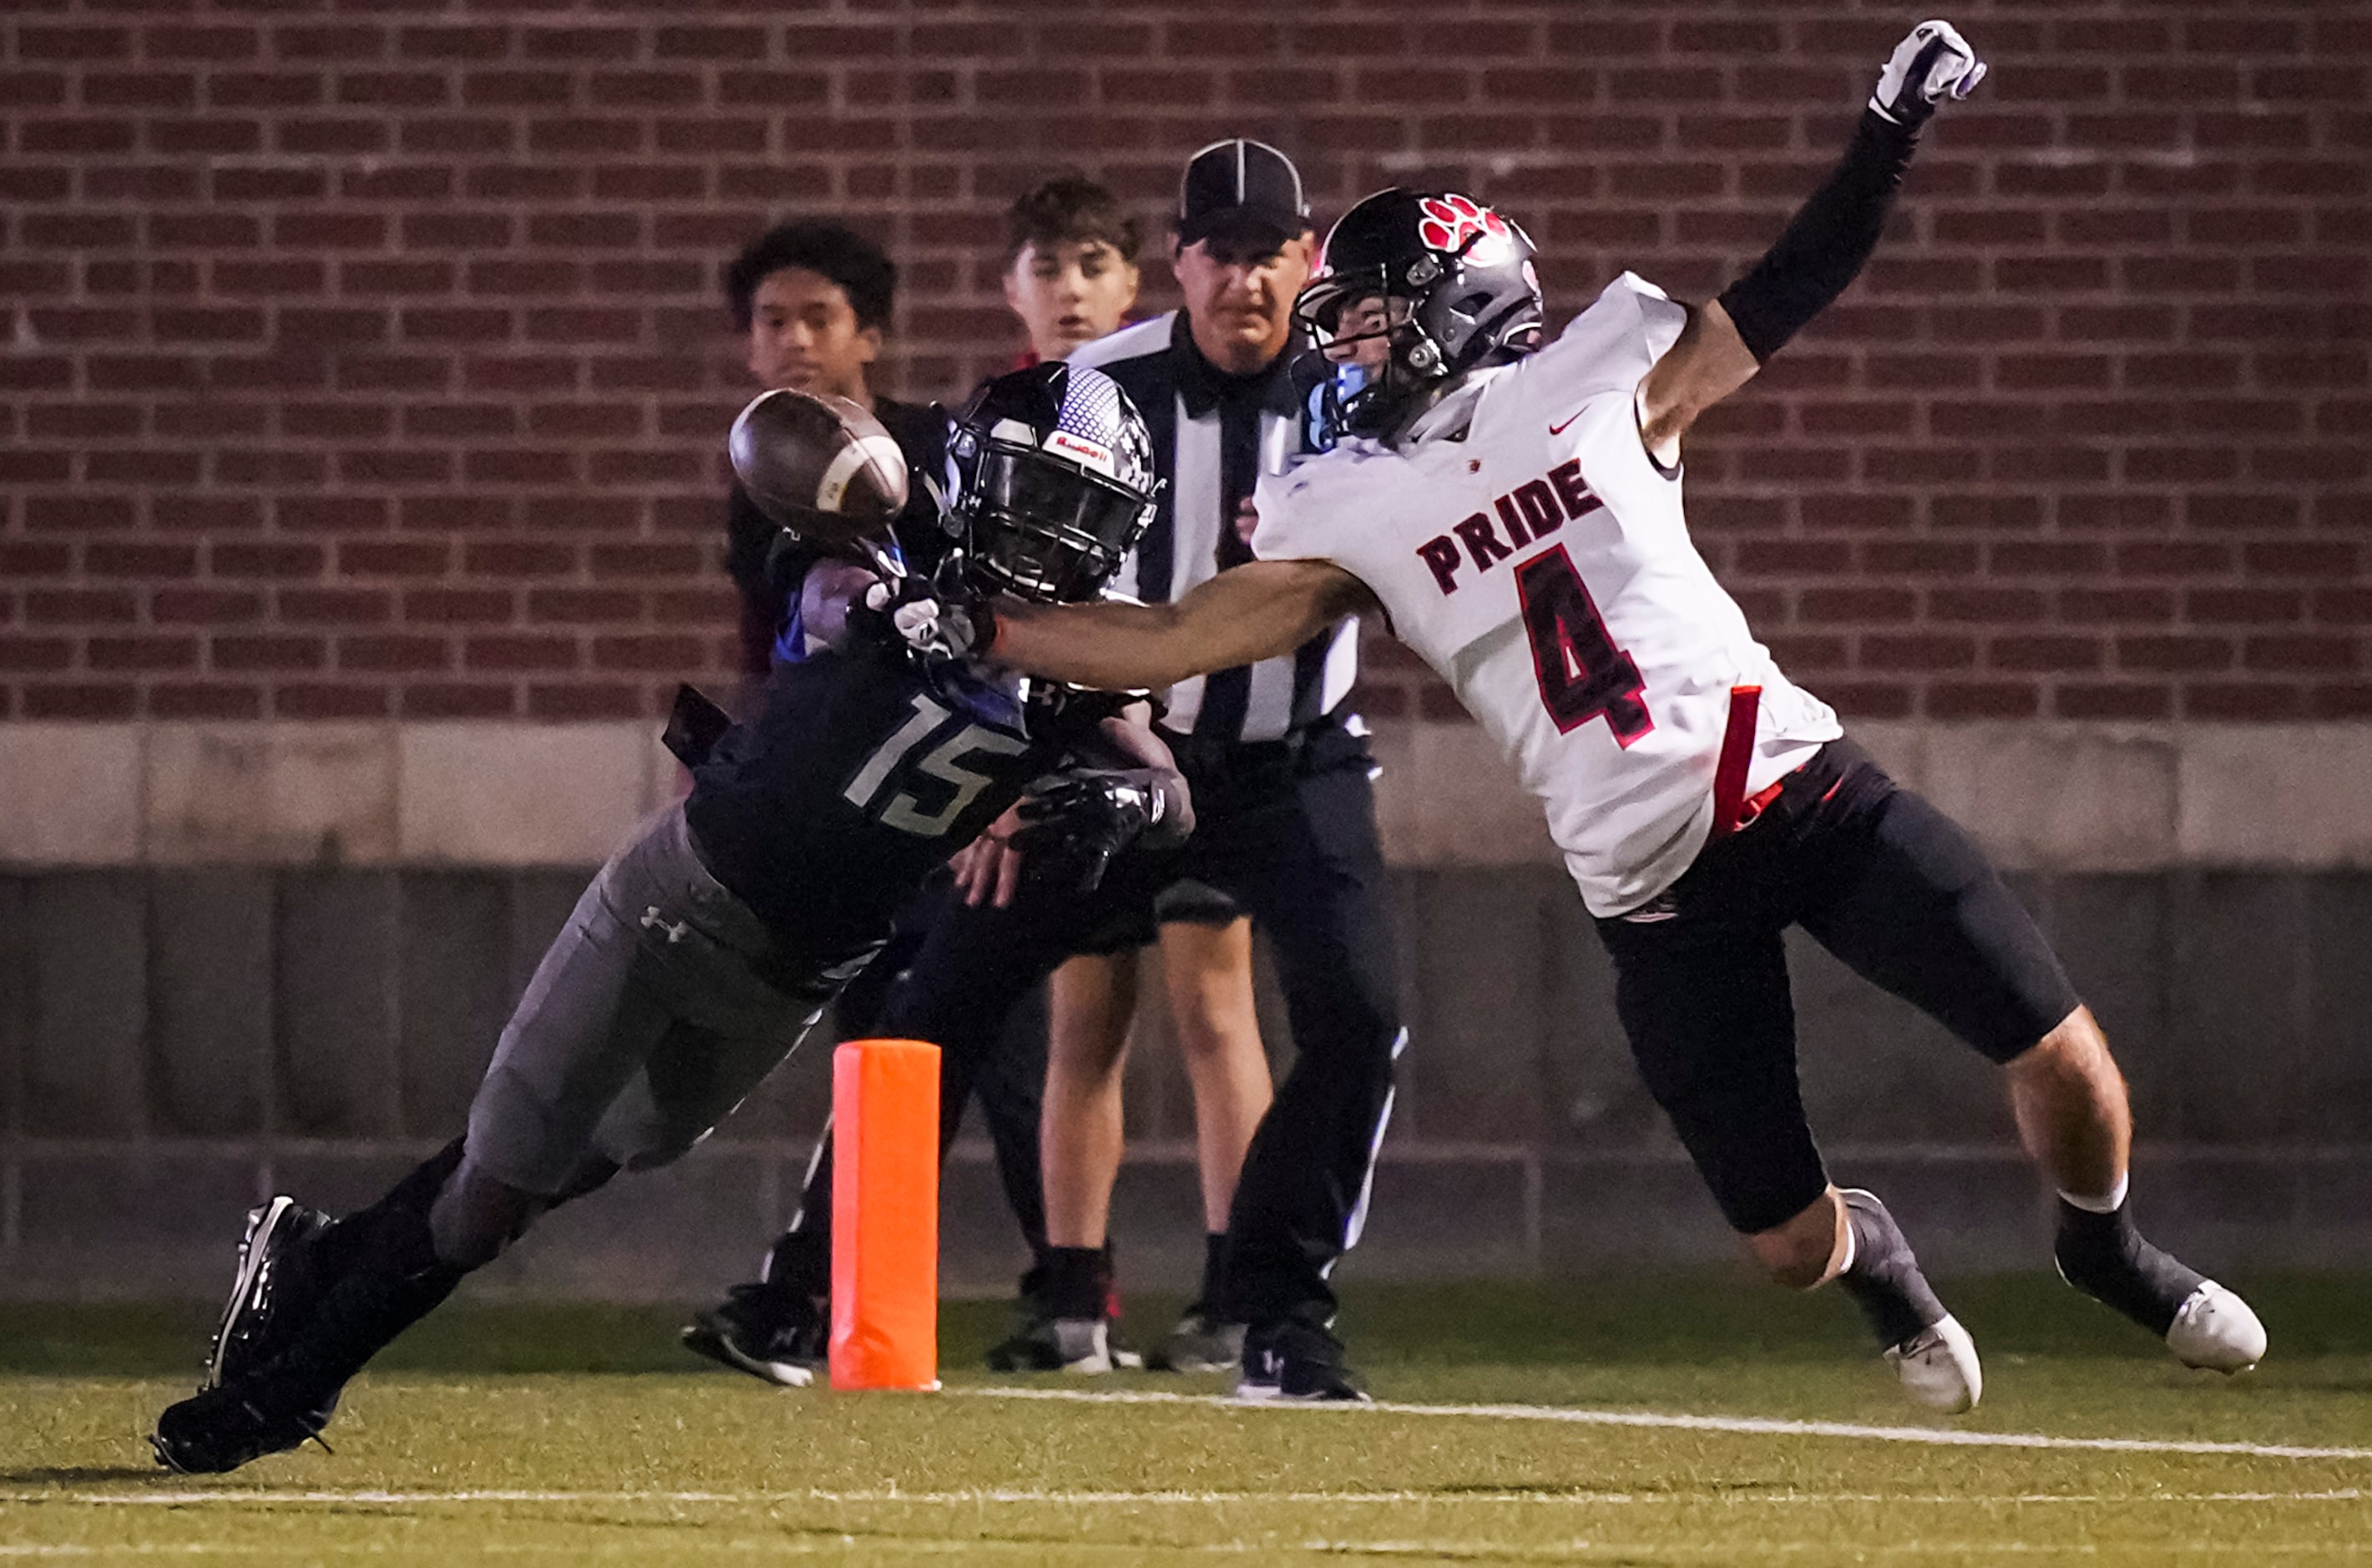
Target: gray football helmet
[(1457, 289)]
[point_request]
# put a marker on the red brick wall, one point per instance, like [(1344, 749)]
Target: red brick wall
[(365, 358)]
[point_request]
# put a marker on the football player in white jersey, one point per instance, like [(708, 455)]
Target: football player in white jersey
[(1513, 509)]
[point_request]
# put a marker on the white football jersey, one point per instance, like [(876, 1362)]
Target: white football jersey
[(1526, 546)]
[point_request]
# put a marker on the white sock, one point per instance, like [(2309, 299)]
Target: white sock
[(1843, 1264), (2108, 1205)]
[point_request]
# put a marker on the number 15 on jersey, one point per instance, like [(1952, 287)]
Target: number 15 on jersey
[(889, 775)]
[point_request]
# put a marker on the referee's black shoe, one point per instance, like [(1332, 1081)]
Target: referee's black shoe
[(780, 1337), (1297, 1364)]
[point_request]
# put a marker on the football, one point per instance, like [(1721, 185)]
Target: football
[(820, 466)]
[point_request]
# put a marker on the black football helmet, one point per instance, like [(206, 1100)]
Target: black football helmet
[(1049, 482), (1456, 287)]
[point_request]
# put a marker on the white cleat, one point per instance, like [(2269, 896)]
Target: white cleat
[(1939, 1368), (1084, 1345), (2216, 1330)]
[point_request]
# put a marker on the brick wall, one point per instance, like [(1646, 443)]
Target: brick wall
[(365, 359)]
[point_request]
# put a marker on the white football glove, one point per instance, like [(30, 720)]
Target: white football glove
[(940, 629), (1933, 63)]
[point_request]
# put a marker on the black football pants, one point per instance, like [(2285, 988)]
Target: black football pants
[(1894, 888)]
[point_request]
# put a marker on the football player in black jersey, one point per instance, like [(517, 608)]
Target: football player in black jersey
[(715, 937)]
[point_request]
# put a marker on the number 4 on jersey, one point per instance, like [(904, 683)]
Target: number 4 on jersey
[(1582, 674)]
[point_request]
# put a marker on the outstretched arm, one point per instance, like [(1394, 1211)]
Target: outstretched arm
[(1253, 612), (1821, 251)]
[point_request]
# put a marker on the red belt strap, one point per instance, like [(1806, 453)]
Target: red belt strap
[(1729, 802)]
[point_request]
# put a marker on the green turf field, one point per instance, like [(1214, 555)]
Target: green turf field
[(580, 1435)]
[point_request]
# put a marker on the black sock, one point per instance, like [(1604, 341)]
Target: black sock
[(1215, 1275), (391, 1282), (1884, 1279), (1030, 1293), (1078, 1282), (2106, 1258), (799, 1264), (329, 1254)]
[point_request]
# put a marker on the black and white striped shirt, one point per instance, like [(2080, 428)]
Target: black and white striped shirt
[(1213, 434)]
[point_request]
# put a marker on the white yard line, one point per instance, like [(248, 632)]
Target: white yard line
[(1750, 1425), (973, 1550), (1067, 1497)]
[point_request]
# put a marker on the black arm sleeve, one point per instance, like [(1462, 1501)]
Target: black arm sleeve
[(1829, 239)]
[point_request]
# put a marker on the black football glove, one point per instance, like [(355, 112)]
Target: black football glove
[(1073, 826), (1933, 63)]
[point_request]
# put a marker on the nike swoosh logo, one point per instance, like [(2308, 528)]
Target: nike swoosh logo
[(1559, 429)]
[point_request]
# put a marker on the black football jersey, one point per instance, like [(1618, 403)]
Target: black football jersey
[(859, 776)]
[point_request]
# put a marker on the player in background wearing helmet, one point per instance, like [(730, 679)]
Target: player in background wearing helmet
[(717, 934), (1514, 508)]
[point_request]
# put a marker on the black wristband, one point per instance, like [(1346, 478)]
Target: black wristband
[(1831, 236)]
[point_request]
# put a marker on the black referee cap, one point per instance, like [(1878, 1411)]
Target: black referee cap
[(1240, 186)]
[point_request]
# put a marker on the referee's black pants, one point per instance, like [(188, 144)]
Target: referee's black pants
[(1288, 830), (1290, 834)]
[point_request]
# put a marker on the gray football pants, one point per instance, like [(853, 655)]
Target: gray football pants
[(655, 1011)]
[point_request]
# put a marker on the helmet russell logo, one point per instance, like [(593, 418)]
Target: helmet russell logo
[(1098, 458)]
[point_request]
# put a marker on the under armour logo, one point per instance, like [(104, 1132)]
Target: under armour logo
[(653, 920)]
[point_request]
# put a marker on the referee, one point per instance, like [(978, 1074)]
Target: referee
[(1289, 831), (1284, 806)]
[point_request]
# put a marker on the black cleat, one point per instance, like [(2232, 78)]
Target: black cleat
[(218, 1429), (782, 1339), (1295, 1363), (270, 1291), (1029, 1348)]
